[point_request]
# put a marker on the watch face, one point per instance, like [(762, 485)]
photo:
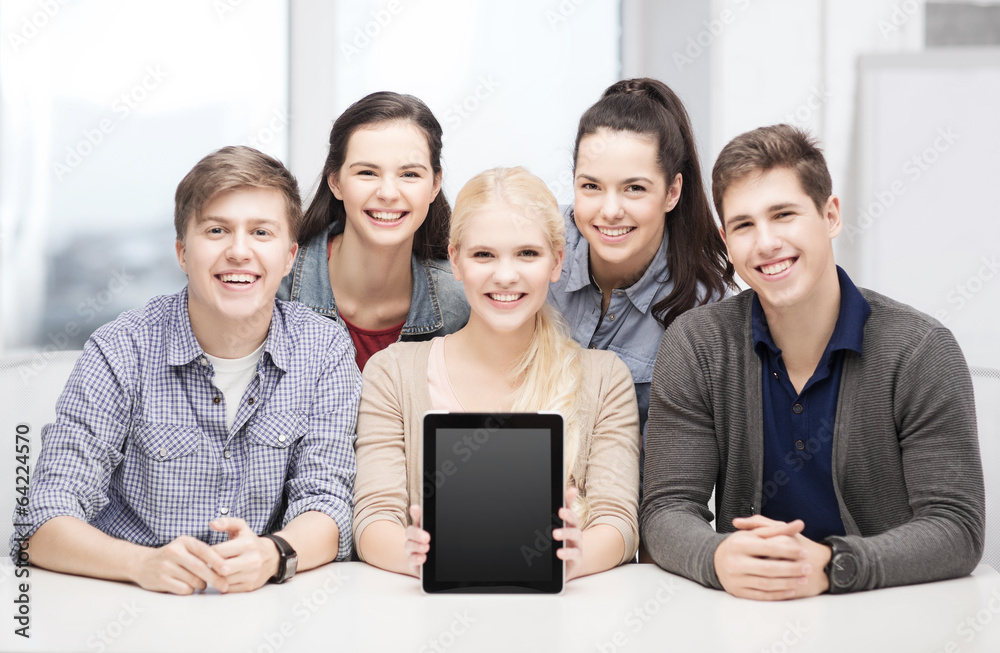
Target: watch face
[(844, 569)]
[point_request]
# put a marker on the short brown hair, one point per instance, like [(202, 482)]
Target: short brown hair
[(766, 148), (229, 168)]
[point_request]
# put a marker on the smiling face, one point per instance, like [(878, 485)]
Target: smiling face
[(620, 199), (505, 263), (779, 242), (387, 184), (235, 253)]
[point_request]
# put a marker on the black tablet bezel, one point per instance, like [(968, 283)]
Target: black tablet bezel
[(553, 422)]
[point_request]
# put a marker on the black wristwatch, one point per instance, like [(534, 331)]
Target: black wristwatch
[(288, 559), (844, 567)]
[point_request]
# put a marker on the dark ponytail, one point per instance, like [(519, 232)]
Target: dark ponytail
[(695, 250), (431, 239)]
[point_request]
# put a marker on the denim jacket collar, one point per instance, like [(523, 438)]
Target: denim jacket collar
[(310, 284)]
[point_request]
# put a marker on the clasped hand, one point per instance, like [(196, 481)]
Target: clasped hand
[(771, 560), (186, 565)]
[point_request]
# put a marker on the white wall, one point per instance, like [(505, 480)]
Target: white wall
[(797, 62), (507, 81)]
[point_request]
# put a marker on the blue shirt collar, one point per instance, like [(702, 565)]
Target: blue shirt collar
[(848, 333), (642, 293), (183, 347)]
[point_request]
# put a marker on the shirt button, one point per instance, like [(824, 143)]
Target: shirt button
[(251, 400), (216, 400), (281, 438), (227, 454), (592, 347), (163, 452), (619, 293), (204, 362), (611, 317), (224, 510), (800, 445), (797, 408)]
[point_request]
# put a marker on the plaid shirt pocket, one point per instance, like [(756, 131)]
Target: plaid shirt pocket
[(168, 467)]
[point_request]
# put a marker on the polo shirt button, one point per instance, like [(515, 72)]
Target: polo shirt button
[(281, 438), (216, 400), (163, 452), (224, 510), (227, 454), (797, 408), (800, 445)]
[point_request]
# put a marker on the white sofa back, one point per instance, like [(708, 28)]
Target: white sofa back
[(30, 384)]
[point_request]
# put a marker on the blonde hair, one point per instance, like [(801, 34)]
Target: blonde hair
[(548, 375)]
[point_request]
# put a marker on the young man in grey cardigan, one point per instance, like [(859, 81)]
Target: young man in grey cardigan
[(836, 425)]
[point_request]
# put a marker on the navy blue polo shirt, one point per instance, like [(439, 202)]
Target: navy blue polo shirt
[(798, 427)]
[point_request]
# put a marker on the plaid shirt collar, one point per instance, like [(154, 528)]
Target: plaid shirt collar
[(183, 347)]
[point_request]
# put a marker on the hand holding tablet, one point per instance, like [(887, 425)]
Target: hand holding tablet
[(417, 542), (571, 536)]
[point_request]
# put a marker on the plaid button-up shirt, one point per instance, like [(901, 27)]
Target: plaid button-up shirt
[(140, 448)]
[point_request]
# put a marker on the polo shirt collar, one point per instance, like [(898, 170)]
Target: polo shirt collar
[(848, 333)]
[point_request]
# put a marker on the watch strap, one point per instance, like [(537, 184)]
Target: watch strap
[(287, 558)]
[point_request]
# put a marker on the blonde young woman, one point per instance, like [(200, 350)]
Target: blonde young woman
[(506, 245)]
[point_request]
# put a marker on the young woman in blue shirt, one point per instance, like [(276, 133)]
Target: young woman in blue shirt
[(642, 244)]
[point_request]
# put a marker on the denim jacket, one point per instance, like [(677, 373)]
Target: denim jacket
[(437, 308)]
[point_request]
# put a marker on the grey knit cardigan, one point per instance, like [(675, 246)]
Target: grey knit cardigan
[(906, 465)]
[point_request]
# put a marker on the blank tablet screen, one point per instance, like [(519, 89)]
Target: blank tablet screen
[(492, 490)]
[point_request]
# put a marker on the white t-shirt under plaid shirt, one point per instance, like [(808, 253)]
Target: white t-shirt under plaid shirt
[(140, 448)]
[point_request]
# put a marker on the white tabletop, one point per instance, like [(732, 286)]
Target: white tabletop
[(354, 607)]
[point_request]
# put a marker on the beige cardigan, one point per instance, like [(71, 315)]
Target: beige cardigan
[(395, 397)]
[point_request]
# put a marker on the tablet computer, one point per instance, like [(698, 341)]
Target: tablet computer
[(491, 492)]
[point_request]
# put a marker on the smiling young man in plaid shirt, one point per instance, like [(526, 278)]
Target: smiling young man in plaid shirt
[(206, 439)]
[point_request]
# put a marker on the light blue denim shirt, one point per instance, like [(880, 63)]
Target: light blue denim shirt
[(629, 328), (437, 308)]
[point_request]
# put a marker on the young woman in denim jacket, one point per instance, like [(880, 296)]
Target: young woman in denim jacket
[(374, 242)]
